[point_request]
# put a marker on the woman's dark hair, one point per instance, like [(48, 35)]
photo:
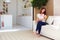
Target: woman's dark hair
[(44, 11)]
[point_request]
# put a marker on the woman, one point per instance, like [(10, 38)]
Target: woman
[(41, 18)]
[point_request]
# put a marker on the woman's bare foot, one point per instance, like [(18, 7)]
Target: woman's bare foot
[(38, 35)]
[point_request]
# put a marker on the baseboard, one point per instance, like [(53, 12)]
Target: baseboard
[(47, 37)]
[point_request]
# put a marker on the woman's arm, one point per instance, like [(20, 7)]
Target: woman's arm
[(37, 20), (45, 17)]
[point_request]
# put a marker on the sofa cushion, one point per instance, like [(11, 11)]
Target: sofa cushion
[(57, 20), (50, 20)]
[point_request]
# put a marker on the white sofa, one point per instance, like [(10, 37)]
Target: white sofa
[(52, 30)]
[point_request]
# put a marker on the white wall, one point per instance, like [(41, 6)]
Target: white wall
[(28, 11), (12, 7), (56, 7), (1, 5), (19, 7)]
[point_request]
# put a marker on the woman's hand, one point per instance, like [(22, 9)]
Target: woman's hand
[(38, 20), (45, 17)]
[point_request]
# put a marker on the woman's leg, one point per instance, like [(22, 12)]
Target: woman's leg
[(39, 25)]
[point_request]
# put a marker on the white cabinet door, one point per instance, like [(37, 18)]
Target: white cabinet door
[(6, 21), (25, 21)]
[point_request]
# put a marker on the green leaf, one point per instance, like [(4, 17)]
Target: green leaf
[(39, 3)]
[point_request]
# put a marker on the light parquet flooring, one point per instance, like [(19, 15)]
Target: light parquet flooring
[(20, 35)]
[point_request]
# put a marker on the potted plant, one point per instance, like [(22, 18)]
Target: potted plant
[(39, 3)]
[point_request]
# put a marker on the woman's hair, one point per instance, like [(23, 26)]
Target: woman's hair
[(44, 11)]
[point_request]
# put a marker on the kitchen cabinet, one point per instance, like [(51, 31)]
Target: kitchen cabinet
[(25, 21), (6, 21)]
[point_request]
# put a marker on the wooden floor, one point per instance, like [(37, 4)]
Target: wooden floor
[(20, 35)]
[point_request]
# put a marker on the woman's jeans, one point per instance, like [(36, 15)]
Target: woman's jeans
[(39, 25)]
